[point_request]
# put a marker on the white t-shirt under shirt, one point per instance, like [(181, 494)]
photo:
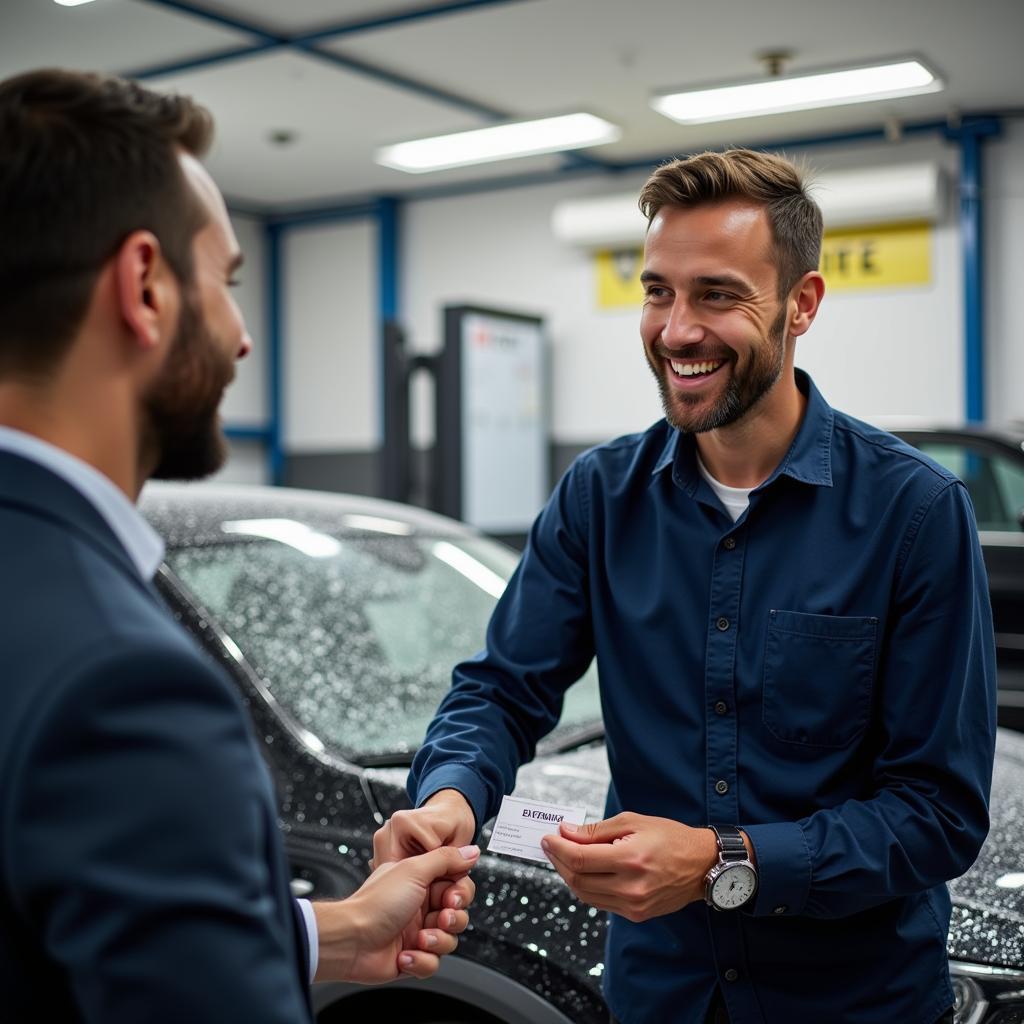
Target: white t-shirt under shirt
[(735, 499)]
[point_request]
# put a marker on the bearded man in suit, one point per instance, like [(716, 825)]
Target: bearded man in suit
[(142, 876)]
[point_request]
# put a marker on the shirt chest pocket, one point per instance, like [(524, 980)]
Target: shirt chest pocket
[(818, 675)]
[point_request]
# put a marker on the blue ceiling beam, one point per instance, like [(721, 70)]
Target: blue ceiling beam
[(403, 82), (307, 43), (177, 67), (387, 20)]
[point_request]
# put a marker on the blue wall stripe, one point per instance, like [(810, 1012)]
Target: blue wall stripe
[(242, 433)]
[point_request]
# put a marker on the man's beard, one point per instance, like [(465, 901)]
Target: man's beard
[(741, 394), (181, 407)]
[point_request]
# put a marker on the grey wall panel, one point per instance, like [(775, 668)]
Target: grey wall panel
[(348, 472)]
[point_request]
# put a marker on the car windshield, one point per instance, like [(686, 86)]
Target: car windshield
[(356, 635)]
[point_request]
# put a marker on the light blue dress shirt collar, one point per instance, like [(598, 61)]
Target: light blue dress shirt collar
[(140, 540)]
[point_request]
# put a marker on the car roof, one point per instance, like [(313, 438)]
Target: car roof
[(1010, 433), (185, 514)]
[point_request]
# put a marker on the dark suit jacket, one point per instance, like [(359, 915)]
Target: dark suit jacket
[(142, 877)]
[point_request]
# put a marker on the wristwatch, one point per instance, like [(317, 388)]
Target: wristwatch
[(732, 882)]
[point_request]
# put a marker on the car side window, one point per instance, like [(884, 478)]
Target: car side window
[(1011, 481), (995, 483)]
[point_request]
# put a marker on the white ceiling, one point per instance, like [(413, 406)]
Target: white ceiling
[(433, 70)]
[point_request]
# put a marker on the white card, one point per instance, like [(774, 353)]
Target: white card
[(521, 824)]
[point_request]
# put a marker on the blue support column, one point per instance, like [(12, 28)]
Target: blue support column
[(275, 331), (388, 283), (973, 266), (971, 136)]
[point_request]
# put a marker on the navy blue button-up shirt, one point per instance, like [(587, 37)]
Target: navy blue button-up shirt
[(820, 672)]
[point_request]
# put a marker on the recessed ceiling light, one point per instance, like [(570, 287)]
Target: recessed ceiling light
[(906, 77), (72, 3), (500, 142), (282, 136)]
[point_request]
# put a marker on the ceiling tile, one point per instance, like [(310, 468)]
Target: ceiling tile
[(108, 35)]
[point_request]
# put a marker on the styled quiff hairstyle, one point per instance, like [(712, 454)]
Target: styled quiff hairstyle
[(763, 178), (85, 160)]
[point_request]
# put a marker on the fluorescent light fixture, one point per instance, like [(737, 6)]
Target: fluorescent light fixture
[(463, 562), (72, 3), (799, 92), (500, 142)]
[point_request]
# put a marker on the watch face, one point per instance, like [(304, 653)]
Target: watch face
[(734, 886)]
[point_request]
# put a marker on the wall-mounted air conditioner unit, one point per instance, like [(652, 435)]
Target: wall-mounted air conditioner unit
[(877, 195)]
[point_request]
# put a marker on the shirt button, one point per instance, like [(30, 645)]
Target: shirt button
[(729, 543), (721, 787), (731, 975), (721, 707), (780, 910), (722, 624)]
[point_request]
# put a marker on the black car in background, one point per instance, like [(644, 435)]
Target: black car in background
[(991, 464), (340, 618)]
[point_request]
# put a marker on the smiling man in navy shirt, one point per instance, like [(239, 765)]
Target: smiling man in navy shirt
[(790, 617)]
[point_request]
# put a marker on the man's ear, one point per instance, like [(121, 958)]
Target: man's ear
[(804, 300), (147, 289)]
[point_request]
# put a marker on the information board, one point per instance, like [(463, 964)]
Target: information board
[(496, 429)]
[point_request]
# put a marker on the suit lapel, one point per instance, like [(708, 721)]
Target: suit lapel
[(38, 491)]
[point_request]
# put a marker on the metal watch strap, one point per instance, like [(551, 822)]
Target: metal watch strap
[(730, 842)]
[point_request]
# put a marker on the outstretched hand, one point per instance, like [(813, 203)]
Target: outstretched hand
[(396, 923), (446, 819), (633, 865)]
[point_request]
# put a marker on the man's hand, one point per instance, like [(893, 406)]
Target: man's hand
[(633, 865), (446, 819), (381, 932)]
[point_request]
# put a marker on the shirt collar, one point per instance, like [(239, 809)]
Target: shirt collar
[(809, 458), (139, 539)]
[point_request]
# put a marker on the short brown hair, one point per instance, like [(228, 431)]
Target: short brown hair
[(763, 178), (85, 160)]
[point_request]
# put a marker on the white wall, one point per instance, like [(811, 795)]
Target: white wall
[(895, 352), (330, 339), (496, 249), (245, 404), (1004, 270), (246, 464), (873, 354)]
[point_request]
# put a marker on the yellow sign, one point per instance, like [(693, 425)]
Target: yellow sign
[(618, 278), (856, 259), (887, 256)]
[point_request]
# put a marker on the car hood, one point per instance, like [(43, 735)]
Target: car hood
[(987, 925), (988, 900)]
